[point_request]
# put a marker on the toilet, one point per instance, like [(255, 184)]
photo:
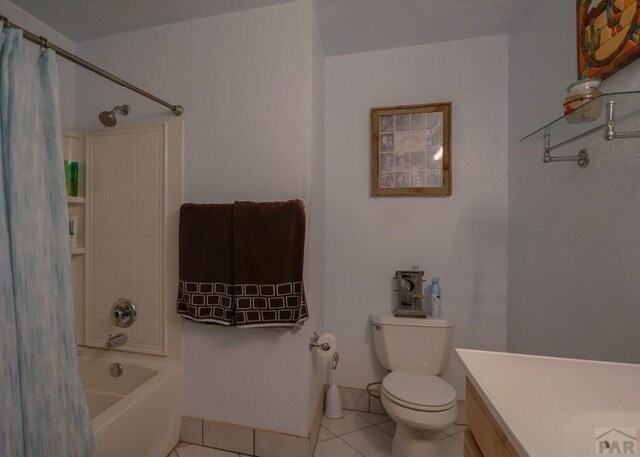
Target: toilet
[(422, 404)]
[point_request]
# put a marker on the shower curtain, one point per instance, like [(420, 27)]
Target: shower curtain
[(43, 412)]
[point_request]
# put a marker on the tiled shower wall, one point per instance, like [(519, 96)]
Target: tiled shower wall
[(125, 237), (73, 146)]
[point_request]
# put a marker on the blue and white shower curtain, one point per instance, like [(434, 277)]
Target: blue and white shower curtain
[(43, 411)]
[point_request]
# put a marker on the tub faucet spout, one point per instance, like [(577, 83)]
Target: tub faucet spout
[(115, 341)]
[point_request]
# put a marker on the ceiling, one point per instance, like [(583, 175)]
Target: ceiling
[(363, 25), (86, 19), (346, 25)]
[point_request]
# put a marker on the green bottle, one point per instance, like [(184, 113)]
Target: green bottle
[(67, 176), (74, 179)]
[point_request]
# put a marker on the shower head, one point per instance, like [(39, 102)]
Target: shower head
[(108, 118)]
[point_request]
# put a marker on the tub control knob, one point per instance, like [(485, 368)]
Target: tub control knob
[(124, 312)]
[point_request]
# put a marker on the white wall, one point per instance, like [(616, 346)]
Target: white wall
[(247, 83), (462, 238), (574, 245), (67, 70), (316, 236)]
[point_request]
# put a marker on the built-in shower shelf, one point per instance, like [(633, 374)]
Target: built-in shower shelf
[(614, 107), (75, 200), (77, 251)]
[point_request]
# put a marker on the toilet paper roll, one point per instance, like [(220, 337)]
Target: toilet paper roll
[(333, 345)]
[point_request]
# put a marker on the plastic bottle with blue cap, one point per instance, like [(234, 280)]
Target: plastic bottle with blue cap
[(436, 299)]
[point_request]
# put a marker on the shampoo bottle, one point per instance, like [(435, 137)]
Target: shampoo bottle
[(73, 230), (436, 299)]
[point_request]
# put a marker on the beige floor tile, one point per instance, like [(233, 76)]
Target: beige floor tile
[(373, 418), (451, 447), (335, 448), (459, 436), (325, 435), (199, 451), (349, 423), (370, 442), (389, 427), (172, 454)]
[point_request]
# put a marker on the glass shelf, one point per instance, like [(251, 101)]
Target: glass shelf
[(562, 132)]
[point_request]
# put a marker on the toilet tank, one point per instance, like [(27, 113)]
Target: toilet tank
[(412, 345)]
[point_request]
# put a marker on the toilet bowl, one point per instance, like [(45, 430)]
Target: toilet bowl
[(422, 406)]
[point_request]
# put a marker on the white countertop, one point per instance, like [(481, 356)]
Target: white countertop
[(550, 406)]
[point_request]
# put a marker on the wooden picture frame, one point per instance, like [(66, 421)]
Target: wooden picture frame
[(607, 36), (411, 150)]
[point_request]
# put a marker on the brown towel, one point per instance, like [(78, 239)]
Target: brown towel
[(268, 258), (206, 268), (242, 264)]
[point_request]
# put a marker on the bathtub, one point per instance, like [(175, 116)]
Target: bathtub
[(138, 413)]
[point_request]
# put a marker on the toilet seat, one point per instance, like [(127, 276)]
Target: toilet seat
[(419, 392)]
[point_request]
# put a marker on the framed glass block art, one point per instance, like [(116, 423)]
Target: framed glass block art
[(411, 150)]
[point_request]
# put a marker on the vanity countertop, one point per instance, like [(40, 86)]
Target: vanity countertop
[(551, 407)]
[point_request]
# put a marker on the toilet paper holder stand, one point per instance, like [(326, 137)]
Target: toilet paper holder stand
[(313, 343)]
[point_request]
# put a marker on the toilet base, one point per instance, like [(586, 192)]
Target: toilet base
[(417, 431), (407, 443)]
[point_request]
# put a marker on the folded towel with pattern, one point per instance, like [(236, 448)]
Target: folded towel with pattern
[(242, 264)]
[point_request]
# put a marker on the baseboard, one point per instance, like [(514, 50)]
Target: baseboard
[(357, 399), (251, 441), (316, 424)]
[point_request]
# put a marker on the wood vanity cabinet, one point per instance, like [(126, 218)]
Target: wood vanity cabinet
[(483, 437), (471, 448)]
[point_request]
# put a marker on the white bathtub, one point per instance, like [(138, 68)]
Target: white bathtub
[(137, 414)]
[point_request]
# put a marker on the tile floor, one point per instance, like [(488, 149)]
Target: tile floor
[(360, 434), (357, 434)]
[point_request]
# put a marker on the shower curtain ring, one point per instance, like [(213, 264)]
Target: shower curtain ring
[(44, 43)]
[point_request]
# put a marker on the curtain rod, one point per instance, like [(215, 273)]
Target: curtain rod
[(44, 43)]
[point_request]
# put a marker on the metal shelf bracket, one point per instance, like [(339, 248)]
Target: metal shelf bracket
[(610, 132), (582, 158)]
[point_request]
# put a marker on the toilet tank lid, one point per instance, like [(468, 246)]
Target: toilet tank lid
[(390, 319)]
